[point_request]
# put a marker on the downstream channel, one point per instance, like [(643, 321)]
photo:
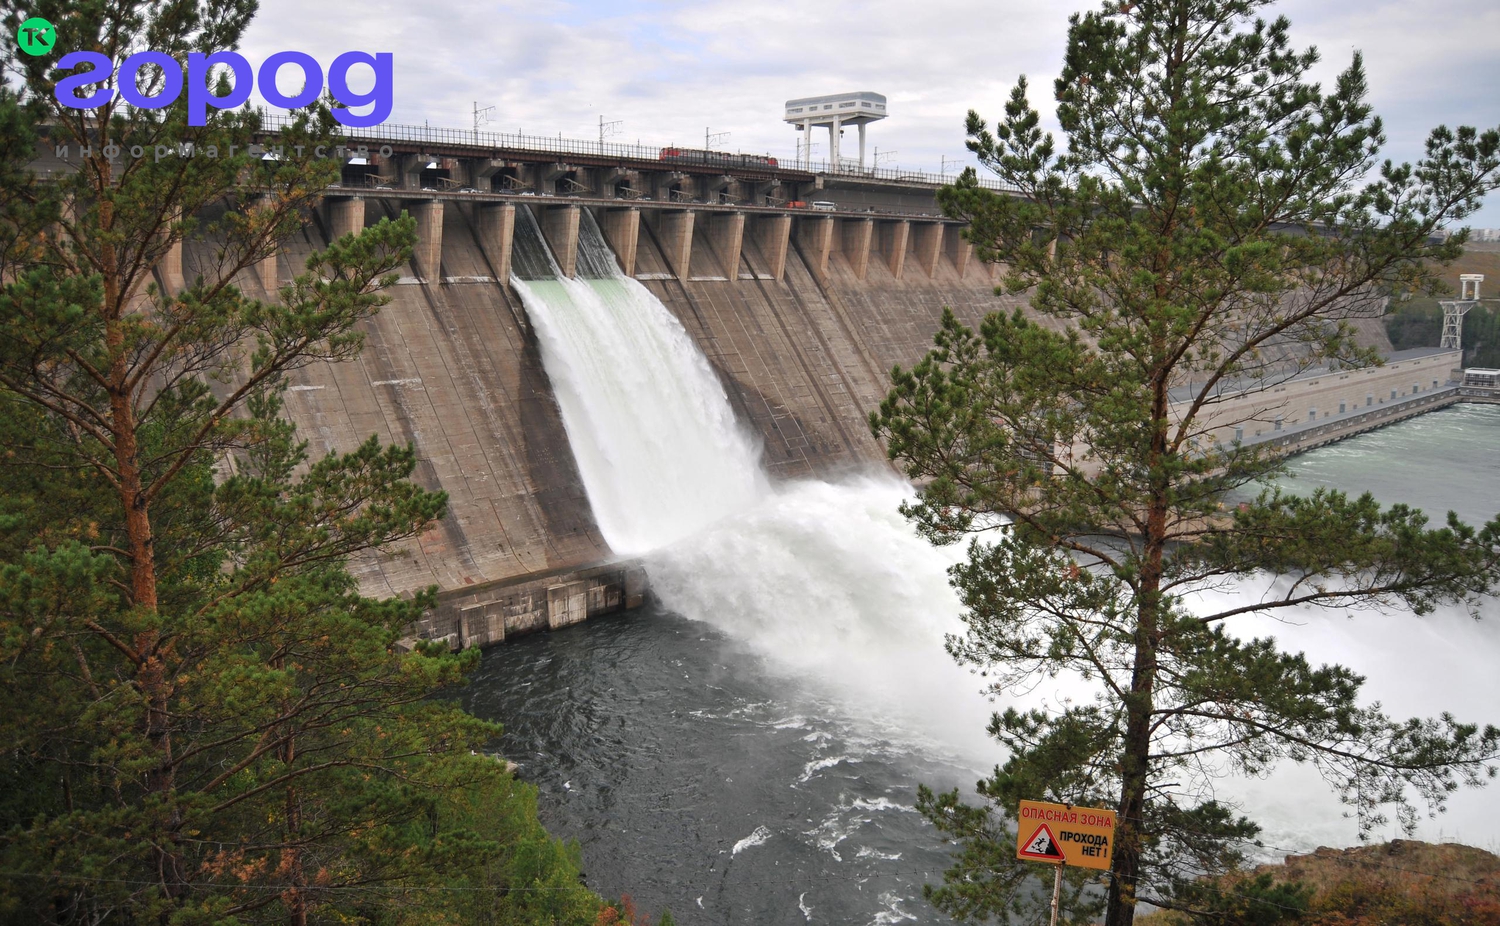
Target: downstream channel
[(748, 750)]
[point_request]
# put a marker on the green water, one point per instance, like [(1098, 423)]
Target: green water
[(1445, 460)]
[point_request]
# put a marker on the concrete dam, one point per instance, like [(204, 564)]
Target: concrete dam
[(800, 314)]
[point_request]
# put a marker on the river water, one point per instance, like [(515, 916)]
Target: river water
[(748, 750)]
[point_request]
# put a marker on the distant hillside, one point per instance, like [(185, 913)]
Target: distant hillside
[(1400, 883), (1478, 257), (1418, 321)]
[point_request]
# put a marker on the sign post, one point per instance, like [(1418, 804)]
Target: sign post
[(1064, 834)]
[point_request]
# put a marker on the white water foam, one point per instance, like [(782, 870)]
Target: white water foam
[(756, 838), (831, 587), (1414, 667)]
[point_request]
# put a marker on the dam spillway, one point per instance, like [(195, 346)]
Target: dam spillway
[(652, 431), (799, 315), (454, 366)]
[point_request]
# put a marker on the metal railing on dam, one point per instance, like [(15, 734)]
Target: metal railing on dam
[(474, 138), (605, 202), (897, 175), (560, 145)]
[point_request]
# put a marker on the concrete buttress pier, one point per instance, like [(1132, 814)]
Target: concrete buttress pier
[(497, 229), (171, 264), (675, 235), (429, 251), (893, 237), (929, 246), (815, 238), (346, 217), (727, 235), (622, 229), (772, 233), (265, 268), (560, 226), (959, 250), (856, 235)]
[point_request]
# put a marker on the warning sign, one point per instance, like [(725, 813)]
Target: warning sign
[(1042, 846), (1061, 834)]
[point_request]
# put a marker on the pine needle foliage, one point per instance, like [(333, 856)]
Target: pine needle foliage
[(1215, 224), (203, 720)]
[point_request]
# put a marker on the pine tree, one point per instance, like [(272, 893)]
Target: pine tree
[(204, 721), (1209, 231)]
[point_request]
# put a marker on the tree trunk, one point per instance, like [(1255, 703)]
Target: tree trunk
[(1136, 752), (152, 677), (1126, 865), (293, 897)]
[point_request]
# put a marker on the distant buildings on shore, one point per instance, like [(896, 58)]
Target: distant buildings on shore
[(1476, 234)]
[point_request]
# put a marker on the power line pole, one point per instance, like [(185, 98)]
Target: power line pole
[(606, 129), (481, 117)]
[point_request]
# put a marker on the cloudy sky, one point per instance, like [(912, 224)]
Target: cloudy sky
[(669, 69)]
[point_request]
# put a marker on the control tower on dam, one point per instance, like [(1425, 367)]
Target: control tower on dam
[(833, 112)]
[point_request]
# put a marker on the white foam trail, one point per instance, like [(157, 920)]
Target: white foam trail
[(756, 838), (892, 913), (817, 765), (832, 587), (656, 442), (1414, 667), (881, 803)]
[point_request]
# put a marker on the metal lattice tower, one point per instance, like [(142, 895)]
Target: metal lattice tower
[(1454, 310)]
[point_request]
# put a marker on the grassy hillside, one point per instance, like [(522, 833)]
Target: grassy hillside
[(1400, 883)]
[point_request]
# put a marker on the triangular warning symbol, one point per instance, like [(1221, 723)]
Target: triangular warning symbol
[(1042, 845)]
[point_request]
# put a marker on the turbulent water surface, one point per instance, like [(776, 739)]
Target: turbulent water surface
[(696, 780), (748, 751)]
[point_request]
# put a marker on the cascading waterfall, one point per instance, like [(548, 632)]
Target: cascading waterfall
[(656, 442), (826, 581), (830, 585)]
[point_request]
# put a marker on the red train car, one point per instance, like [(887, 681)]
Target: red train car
[(710, 158)]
